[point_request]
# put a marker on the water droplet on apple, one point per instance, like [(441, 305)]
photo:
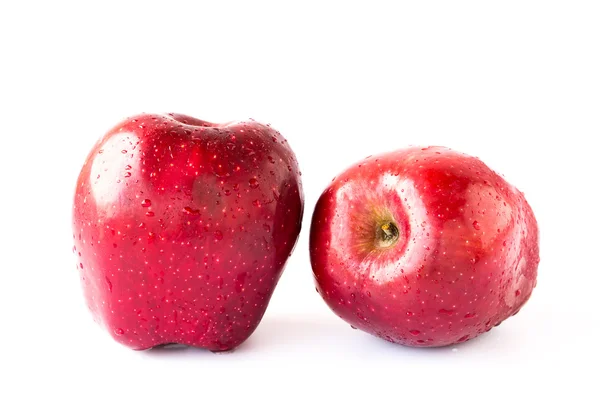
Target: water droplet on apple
[(218, 235), (353, 327), (463, 338), (190, 211), (253, 183), (267, 227), (239, 282), (150, 214), (414, 332), (81, 265), (256, 203), (127, 174), (476, 225), (469, 315), (119, 331), (146, 203), (517, 293), (109, 283), (123, 151), (445, 311)]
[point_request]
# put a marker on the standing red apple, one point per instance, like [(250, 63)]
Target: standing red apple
[(423, 247), (182, 229)]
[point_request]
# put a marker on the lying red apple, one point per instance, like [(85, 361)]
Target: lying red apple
[(182, 229), (423, 247)]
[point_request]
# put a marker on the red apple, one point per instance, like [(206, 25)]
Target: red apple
[(182, 229), (423, 247)]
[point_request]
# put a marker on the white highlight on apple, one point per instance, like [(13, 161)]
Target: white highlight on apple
[(110, 170)]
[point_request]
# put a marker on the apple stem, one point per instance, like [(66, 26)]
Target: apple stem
[(387, 234)]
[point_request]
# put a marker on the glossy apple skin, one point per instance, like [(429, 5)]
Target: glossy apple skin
[(182, 229), (466, 258)]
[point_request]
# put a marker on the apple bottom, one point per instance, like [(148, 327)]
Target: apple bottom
[(187, 302), (181, 322)]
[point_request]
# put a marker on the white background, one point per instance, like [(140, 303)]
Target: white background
[(516, 83)]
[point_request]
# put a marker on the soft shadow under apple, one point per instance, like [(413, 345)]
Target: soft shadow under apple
[(290, 331), (272, 332)]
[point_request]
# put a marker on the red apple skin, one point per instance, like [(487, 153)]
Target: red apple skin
[(182, 229), (465, 259)]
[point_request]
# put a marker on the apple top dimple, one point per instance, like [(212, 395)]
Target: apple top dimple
[(191, 121)]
